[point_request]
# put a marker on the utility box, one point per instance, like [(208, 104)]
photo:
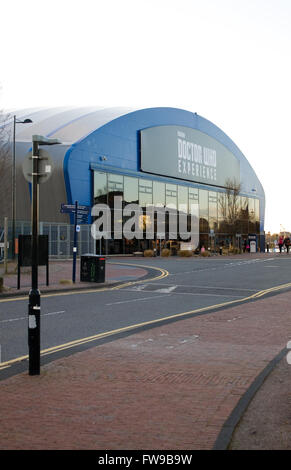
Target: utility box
[(92, 268), (25, 254)]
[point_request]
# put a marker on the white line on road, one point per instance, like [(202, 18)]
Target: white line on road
[(231, 264), (178, 293), (203, 287), (205, 294), (138, 300), (54, 313), (166, 290), (25, 318)]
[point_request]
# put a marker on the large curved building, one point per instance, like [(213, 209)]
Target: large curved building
[(156, 156)]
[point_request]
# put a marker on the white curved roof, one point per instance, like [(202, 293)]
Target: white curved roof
[(69, 124)]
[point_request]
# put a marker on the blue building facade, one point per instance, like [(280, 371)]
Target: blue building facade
[(155, 156)]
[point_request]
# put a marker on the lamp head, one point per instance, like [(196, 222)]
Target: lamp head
[(41, 140)]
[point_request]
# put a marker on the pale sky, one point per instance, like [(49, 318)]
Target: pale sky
[(227, 60)]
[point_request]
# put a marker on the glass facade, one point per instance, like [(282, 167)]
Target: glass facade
[(225, 219)]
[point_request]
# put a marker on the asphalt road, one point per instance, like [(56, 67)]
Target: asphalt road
[(187, 285)]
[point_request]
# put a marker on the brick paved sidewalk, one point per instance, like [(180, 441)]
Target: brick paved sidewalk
[(60, 276), (170, 387)]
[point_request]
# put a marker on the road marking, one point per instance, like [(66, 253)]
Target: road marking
[(54, 313), (181, 293), (203, 294), (106, 334), (166, 290), (272, 289), (163, 273), (204, 287), (138, 288), (25, 318), (137, 300)]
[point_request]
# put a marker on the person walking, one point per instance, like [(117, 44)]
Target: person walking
[(287, 243), (281, 243)]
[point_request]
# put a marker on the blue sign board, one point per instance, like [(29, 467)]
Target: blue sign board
[(82, 212), (69, 208)]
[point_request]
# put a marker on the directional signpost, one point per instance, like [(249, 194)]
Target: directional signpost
[(81, 214)]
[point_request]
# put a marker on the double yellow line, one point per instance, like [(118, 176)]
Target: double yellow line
[(163, 273), (107, 334), (272, 289)]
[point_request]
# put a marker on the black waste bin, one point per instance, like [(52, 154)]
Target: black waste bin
[(92, 268)]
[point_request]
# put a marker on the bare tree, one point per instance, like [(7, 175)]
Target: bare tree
[(229, 207), (233, 189)]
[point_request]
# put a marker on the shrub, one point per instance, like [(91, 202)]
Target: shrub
[(148, 253), (66, 281), (165, 252), (185, 253), (205, 253), (234, 251)]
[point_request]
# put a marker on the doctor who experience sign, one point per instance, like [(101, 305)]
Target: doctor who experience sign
[(188, 154)]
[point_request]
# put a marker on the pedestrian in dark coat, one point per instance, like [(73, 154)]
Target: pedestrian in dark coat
[(281, 243), (287, 243)]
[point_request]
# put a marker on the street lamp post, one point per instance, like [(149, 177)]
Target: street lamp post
[(34, 293), (15, 121)]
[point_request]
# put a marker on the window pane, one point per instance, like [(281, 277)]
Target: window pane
[(183, 198), (257, 212), (159, 194), (252, 217), (221, 206), (212, 204), (203, 203), (193, 194), (115, 182), (251, 207), (244, 208), (100, 188), (171, 196), (115, 187), (145, 192), (130, 190), (212, 199), (203, 211)]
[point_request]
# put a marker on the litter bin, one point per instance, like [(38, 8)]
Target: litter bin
[(92, 268)]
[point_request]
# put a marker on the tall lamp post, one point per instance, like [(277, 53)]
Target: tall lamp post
[(34, 294), (15, 121)]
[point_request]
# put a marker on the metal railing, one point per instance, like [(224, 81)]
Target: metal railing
[(61, 237)]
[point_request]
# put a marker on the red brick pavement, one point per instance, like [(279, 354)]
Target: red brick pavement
[(62, 271), (171, 387)]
